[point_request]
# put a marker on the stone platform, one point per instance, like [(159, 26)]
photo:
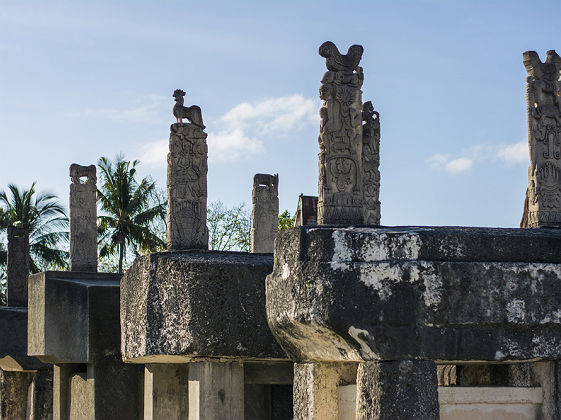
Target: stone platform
[(13, 345)]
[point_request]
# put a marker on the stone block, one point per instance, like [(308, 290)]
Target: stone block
[(166, 391), (74, 317), (13, 345), (179, 305), (13, 394), (401, 389), (434, 293), (40, 395)]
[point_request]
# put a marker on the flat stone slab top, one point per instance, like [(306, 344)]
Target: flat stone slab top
[(437, 293), (13, 340), (179, 305), (74, 317)]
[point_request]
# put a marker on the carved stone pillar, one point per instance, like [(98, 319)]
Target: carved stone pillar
[(265, 213), (371, 163), (340, 196), (18, 264), (187, 188), (83, 218), (543, 197)]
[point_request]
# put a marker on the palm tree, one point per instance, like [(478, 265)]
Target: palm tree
[(48, 225), (130, 209)]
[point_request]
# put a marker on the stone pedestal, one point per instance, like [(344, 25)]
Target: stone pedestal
[(216, 391), (187, 188), (402, 389), (83, 218), (265, 212), (166, 391), (18, 265), (316, 389)]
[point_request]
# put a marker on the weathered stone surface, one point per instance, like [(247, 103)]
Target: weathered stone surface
[(340, 196), (40, 395), (542, 207), (187, 188), (18, 264), (370, 164), (74, 317), (180, 305), (13, 345), (448, 294), (307, 211), (265, 212), (401, 389), (315, 389), (83, 218), (166, 391), (13, 394), (82, 397), (192, 113)]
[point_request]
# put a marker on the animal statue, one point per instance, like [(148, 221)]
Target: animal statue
[(193, 113), (336, 61), (79, 171), (271, 181)]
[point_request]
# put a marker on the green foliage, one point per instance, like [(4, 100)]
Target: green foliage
[(286, 220), (229, 228), (47, 221), (130, 212)]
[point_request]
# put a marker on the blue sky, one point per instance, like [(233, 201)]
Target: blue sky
[(80, 80)]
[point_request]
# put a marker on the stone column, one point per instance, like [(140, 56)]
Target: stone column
[(216, 391), (371, 163), (401, 389), (265, 213), (340, 190), (83, 218), (187, 191), (542, 207), (315, 389), (13, 393), (18, 264), (62, 377), (40, 395), (166, 391)]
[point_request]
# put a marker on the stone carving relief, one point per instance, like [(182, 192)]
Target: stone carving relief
[(18, 264), (192, 113), (83, 218), (371, 163), (542, 207), (187, 186), (265, 213), (340, 198)]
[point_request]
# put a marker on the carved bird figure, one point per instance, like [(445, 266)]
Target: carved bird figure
[(336, 61), (193, 113)]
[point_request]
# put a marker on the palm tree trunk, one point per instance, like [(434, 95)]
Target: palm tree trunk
[(121, 254)]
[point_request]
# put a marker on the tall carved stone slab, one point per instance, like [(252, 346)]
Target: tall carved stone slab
[(18, 264), (543, 197), (187, 188), (340, 195), (265, 213), (83, 218), (371, 163)]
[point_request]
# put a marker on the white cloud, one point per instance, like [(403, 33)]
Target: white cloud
[(243, 130), (514, 153)]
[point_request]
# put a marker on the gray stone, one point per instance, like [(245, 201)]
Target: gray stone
[(340, 198), (74, 317), (447, 294), (166, 391), (83, 218), (176, 306), (187, 188), (265, 212), (62, 379), (13, 345), (82, 397), (13, 394), (40, 395), (401, 389), (18, 264), (542, 207), (307, 211), (370, 164), (315, 389), (216, 391)]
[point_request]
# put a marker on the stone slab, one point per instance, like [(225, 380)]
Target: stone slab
[(74, 317), (449, 294), (176, 306), (13, 342)]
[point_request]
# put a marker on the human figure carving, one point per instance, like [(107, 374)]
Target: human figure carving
[(193, 113)]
